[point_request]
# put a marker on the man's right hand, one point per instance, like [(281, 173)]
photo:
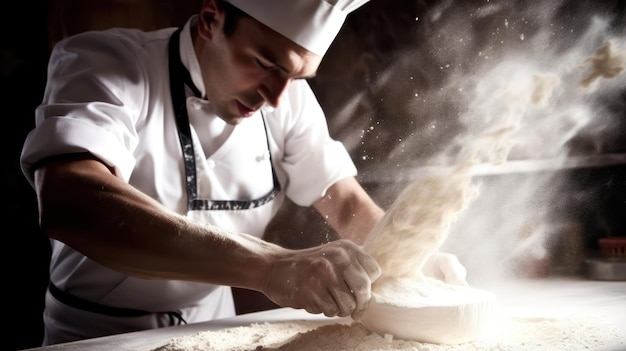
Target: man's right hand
[(334, 279)]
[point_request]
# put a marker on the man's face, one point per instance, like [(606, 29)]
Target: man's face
[(249, 68)]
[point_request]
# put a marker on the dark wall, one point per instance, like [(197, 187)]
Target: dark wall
[(23, 58), (29, 29)]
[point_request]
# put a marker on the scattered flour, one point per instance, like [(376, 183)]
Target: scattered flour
[(521, 332)]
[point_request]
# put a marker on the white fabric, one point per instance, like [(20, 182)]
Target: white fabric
[(312, 24), (123, 115)]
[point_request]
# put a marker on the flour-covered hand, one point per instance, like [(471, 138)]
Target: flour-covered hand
[(445, 267), (334, 279)]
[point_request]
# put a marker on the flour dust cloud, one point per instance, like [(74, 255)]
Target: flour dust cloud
[(537, 86)]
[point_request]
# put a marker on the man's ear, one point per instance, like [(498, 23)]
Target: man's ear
[(210, 19)]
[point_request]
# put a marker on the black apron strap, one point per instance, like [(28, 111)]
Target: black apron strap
[(177, 74), (179, 77), (68, 299)]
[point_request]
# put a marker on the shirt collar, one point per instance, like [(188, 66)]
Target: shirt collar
[(188, 55)]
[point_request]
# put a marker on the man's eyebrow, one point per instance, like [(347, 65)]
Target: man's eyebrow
[(272, 59), (282, 68), (267, 56)]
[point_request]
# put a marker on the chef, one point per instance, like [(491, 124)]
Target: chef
[(159, 158)]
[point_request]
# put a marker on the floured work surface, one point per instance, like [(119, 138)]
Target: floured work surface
[(523, 331)]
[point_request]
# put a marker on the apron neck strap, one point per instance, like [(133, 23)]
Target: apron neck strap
[(178, 73), (179, 77)]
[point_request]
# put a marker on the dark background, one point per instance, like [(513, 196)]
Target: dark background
[(362, 87)]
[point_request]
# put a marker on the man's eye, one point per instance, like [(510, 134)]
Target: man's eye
[(262, 65)]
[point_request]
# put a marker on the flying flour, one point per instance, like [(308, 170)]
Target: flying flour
[(416, 224), (411, 306), (407, 304)]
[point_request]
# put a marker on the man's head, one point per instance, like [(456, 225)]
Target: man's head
[(246, 61)]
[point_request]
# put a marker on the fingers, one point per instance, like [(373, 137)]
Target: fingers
[(454, 272), (343, 301), (362, 294), (362, 288), (445, 267), (334, 279), (369, 264), (354, 295), (332, 298)]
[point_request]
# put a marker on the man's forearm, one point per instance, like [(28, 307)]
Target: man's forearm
[(349, 210), (88, 208)]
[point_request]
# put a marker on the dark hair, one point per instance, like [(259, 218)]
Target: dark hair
[(231, 15)]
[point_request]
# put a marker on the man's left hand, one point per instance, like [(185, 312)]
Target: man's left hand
[(445, 267)]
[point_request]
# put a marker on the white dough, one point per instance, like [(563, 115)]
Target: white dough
[(430, 311)]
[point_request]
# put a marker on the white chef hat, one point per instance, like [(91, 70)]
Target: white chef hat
[(313, 24)]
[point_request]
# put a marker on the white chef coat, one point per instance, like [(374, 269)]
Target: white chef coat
[(108, 94)]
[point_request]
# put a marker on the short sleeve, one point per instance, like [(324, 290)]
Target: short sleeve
[(92, 102), (312, 159)]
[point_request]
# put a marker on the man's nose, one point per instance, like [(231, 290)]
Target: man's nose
[(272, 89)]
